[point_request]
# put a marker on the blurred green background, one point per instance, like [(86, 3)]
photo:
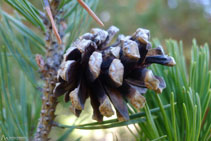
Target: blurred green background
[(176, 19)]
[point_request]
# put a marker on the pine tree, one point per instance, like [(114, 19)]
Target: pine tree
[(33, 43)]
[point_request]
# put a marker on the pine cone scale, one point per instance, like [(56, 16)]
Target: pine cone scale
[(118, 102)]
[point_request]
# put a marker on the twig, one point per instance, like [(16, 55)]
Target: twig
[(48, 69), (107, 124)]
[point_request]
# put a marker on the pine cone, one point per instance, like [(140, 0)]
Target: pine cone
[(110, 73)]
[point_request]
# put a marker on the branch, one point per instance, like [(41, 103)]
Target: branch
[(134, 118), (48, 70)]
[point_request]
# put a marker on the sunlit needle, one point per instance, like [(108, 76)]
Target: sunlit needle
[(91, 13), (82, 3)]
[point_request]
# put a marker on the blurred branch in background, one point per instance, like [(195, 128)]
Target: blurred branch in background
[(177, 19)]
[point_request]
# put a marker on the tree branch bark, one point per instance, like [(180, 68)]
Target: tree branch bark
[(53, 58)]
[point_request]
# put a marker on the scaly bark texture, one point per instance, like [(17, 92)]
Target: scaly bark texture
[(48, 68)]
